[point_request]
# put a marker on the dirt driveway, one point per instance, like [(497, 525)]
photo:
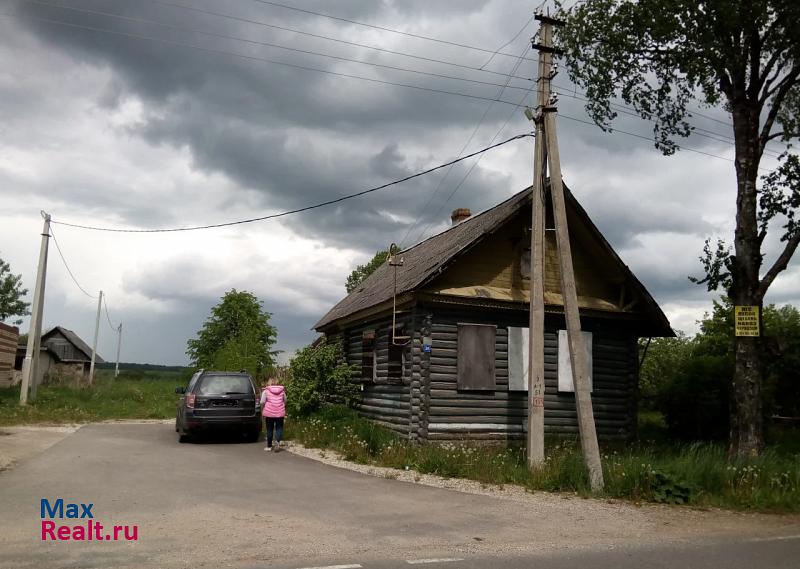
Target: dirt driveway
[(233, 505)]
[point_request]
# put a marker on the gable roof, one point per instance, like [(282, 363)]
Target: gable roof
[(423, 260), (76, 342), (427, 259)]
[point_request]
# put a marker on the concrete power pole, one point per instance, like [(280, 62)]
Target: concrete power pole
[(30, 366), (580, 371), (119, 345), (536, 322), (96, 333)]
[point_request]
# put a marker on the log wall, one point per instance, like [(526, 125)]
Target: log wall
[(455, 414)]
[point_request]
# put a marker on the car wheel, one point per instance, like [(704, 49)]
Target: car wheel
[(185, 438)]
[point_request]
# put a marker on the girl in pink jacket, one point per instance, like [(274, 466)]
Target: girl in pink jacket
[(273, 408)]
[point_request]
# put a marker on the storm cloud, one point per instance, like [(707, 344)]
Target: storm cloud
[(149, 115)]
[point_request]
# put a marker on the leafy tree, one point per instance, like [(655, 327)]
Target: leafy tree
[(660, 57), (319, 376), (237, 335), (361, 272), (11, 293), (695, 388), (664, 361)]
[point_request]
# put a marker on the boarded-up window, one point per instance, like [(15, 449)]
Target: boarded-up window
[(476, 356), (395, 358), (518, 348), (565, 362), (368, 355)]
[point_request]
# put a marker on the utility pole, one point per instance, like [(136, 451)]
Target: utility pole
[(96, 333), (119, 345), (536, 321), (580, 371), (30, 366)]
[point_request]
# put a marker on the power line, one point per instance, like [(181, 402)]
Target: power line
[(111, 325), (325, 71), (269, 44), (509, 42), (299, 210), (66, 266), (384, 29), (253, 58), (307, 68), (327, 38), (471, 168), (463, 149)]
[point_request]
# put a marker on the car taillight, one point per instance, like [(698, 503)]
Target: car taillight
[(190, 400)]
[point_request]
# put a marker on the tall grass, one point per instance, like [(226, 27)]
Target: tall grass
[(120, 399), (698, 474)]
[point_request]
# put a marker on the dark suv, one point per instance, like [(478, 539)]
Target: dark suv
[(218, 399)]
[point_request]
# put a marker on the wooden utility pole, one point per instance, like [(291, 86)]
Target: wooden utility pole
[(536, 321), (96, 333), (577, 351), (30, 366)]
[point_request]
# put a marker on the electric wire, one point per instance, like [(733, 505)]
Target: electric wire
[(385, 29), (306, 68), (461, 152), (327, 38), (509, 42), (269, 44), (298, 210), (253, 58), (261, 23), (563, 90), (66, 265), (111, 325), (471, 168)]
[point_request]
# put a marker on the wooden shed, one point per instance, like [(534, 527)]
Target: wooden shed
[(462, 301), (9, 335), (64, 355)]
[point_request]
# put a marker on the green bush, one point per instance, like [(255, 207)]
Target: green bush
[(317, 376), (695, 404)]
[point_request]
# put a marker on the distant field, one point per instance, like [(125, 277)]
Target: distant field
[(134, 395)]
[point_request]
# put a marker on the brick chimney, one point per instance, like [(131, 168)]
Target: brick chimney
[(460, 215)]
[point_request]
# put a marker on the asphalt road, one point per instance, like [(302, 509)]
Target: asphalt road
[(227, 504)]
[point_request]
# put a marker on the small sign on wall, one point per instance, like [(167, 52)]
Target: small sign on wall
[(746, 319)]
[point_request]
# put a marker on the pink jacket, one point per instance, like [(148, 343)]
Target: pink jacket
[(273, 401)]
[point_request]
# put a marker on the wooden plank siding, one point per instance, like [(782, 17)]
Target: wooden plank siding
[(455, 414), (9, 336)]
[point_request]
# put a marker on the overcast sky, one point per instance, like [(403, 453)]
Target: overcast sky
[(137, 130)]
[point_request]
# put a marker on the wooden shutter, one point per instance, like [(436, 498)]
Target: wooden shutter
[(476, 347), (565, 361)]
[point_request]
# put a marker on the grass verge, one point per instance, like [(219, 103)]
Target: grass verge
[(696, 474), (118, 399)]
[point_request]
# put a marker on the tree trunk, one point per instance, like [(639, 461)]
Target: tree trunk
[(746, 436)]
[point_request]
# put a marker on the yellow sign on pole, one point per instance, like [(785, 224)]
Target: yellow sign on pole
[(746, 318)]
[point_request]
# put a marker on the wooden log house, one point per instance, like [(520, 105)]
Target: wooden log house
[(462, 301)]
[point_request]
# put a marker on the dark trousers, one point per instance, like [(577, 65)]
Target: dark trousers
[(276, 424)]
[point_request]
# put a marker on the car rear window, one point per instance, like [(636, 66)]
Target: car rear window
[(221, 384)]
